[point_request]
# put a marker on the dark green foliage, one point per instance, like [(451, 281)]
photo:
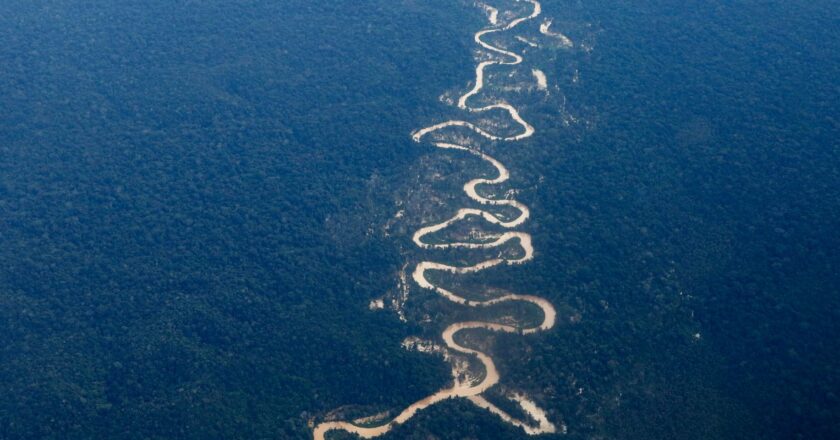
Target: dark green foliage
[(169, 176), (187, 191)]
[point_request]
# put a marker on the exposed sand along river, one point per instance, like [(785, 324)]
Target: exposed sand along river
[(473, 388)]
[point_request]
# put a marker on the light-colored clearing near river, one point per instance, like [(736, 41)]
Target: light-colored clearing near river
[(542, 81)]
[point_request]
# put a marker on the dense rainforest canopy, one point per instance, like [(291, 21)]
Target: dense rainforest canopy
[(197, 203)]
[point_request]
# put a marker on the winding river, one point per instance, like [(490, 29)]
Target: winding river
[(472, 389)]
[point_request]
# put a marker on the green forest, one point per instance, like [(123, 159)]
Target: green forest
[(197, 205)]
